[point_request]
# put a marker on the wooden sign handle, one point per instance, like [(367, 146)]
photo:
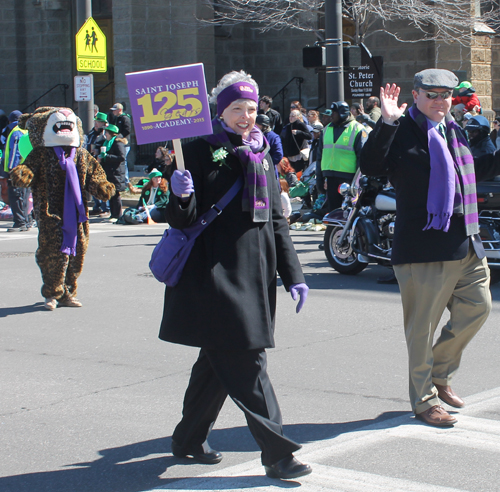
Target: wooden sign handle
[(179, 157), (178, 154)]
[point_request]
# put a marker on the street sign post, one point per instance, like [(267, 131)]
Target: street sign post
[(84, 87), (91, 48)]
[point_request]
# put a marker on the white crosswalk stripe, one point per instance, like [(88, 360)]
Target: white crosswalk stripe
[(470, 432)]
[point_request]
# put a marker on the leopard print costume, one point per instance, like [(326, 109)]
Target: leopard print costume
[(42, 172)]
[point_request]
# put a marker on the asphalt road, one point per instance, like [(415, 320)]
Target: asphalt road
[(90, 396)]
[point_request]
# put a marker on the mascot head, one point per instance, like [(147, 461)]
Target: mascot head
[(53, 127)]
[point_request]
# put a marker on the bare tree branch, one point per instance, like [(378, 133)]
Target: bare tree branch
[(448, 21)]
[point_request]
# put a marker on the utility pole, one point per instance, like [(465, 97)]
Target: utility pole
[(85, 108), (334, 56)]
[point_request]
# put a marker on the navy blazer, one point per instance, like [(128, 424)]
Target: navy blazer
[(401, 152)]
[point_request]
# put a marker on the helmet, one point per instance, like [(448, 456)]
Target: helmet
[(478, 123), (263, 120), (342, 108)]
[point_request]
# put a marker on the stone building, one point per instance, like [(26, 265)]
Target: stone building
[(37, 66)]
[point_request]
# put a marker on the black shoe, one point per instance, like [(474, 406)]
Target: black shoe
[(202, 454), (17, 229), (321, 246), (287, 468), (391, 279)]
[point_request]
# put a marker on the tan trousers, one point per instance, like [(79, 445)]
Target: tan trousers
[(426, 290)]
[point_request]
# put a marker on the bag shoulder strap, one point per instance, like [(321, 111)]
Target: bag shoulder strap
[(230, 194), (218, 207)]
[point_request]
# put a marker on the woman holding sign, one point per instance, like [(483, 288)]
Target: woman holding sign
[(225, 300)]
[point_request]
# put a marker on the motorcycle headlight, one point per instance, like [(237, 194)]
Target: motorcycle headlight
[(344, 189)]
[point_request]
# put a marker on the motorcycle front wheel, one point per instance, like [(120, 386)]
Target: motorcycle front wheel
[(341, 257)]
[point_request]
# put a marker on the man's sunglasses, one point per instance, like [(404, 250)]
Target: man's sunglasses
[(435, 95)]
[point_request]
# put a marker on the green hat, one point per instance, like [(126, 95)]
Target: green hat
[(155, 174), (101, 117), (463, 85), (112, 128), (327, 112)]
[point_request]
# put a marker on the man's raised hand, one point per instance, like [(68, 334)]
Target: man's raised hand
[(389, 104)]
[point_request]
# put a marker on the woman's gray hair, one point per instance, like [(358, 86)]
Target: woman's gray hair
[(230, 79)]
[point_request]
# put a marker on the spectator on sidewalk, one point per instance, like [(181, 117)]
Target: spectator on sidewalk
[(113, 162), (276, 122), (18, 196), (95, 140), (276, 151), (154, 197)]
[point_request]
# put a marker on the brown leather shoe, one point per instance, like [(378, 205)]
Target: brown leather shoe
[(446, 394), (437, 416)]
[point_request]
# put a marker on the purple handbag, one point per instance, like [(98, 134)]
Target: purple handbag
[(171, 253)]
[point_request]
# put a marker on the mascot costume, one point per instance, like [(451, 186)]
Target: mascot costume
[(59, 171)]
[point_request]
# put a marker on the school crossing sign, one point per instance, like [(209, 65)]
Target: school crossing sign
[(91, 48)]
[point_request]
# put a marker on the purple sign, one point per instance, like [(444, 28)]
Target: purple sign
[(169, 103)]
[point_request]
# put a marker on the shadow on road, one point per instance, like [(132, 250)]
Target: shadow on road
[(11, 311), (136, 467)]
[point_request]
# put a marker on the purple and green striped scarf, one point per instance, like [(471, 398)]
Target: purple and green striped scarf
[(452, 182), (255, 196)]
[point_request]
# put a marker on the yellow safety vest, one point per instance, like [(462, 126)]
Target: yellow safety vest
[(7, 148), (340, 156)]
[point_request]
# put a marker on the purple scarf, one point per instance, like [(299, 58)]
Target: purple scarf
[(255, 196), (452, 181), (72, 201)]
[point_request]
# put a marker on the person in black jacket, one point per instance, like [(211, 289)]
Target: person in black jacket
[(113, 162), (478, 132), (295, 136), (276, 123), (225, 300), (438, 257)]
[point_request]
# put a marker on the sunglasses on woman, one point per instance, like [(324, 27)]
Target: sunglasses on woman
[(435, 95)]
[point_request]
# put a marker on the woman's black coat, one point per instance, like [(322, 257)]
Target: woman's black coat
[(114, 164), (290, 148), (226, 297)]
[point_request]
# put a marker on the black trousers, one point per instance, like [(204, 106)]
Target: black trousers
[(19, 202), (242, 375), (335, 199), (115, 205)]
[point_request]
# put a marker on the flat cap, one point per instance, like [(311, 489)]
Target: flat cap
[(435, 78)]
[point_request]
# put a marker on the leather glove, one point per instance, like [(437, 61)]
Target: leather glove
[(182, 183), (301, 290)]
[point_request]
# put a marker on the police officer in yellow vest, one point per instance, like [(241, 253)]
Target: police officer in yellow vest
[(18, 197), (338, 153)]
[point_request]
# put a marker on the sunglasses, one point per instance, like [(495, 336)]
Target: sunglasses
[(293, 106), (435, 95)]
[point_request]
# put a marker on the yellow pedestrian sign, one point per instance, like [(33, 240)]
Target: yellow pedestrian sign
[(91, 48)]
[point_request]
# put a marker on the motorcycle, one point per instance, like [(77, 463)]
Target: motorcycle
[(361, 231), (488, 202)]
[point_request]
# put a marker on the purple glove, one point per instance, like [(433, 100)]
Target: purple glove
[(181, 183), (302, 290)]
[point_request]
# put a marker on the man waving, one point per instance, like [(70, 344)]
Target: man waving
[(438, 257)]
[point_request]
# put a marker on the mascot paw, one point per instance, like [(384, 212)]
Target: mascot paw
[(105, 191), (21, 176)]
